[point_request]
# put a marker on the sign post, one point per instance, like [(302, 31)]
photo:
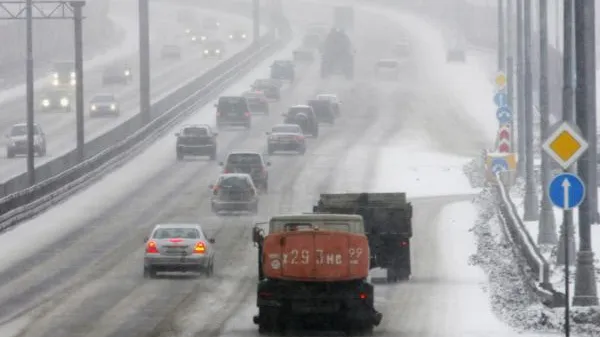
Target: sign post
[(567, 191)]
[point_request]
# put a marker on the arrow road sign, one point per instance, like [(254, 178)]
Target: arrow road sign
[(499, 165), (501, 99), (566, 191), (504, 115)]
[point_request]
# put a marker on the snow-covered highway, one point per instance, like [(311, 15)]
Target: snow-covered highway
[(81, 273)]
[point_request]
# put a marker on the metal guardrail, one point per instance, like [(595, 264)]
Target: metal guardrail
[(122, 142), (537, 269)]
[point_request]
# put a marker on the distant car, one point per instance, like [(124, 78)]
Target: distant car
[(214, 48), (238, 35), (170, 51), (176, 247), (211, 23), (188, 31), (199, 38), (251, 163), (387, 69), (303, 116), (196, 140), (63, 74), (318, 28), (286, 137), (283, 70), (456, 54), (233, 111), (17, 140), (234, 192), (104, 104), (402, 50), (57, 99), (303, 55), (335, 101), (116, 74), (257, 102), (324, 110), (272, 91)]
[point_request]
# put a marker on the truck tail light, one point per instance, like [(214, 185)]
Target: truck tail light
[(403, 243), (151, 247), (200, 248), (265, 294)]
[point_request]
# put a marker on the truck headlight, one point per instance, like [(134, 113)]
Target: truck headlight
[(64, 102), (218, 51), (55, 82), (127, 72), (113, 107), (93, 107), (206, 52), (46, 103), (72, 81)]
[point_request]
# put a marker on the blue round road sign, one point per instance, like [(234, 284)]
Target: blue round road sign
[(499, 165), (504, 115), (501, 99), (566, 191)]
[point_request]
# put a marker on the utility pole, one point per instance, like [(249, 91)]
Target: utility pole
[(144, 28), (28, 10), (585, 50), (547, 223), (510, 70), (520, 91), (78, 20), (501, 42), (568, 108), (531, 200), (256, 20)]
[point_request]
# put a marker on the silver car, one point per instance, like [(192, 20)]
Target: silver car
[(104, 104), (178, 248)]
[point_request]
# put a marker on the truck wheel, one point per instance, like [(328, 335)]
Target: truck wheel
[(268, 320), (180, 155), (149, 272)]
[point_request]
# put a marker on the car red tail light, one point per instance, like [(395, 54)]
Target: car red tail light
[(200, 248), (225, 171), (175, 240), (247, 114), (362, 296), (151, 247), (264, 294), (299, 138), (404, 243)]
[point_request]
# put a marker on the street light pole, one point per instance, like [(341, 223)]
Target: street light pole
[(78, 18), (531, 200), (510, 69), (30, 96), (501, 41), (144, 45), (547, 223), (585, 50), (520, 91), (568, 106), (256, 20)]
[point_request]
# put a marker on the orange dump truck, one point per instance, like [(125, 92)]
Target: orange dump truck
[(314, 267)]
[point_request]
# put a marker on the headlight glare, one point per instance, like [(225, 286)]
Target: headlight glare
[(93, 107), (113, 107), (206, 52), (203, 38), (127, 72), (243, 36), (73, 82), (64, 102), (55, 75), (72, 74), (231, 36), (45, 102), (55, 82), (218, 51)]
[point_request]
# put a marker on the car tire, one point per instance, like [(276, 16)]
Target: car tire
[(302, 151), (270, 150), (180, 155), (10, 154), (213, 154), (214, 208), (149, 272), (248, 125)]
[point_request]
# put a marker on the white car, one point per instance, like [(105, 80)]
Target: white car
[(334, 100)]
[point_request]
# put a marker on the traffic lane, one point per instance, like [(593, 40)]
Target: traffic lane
[(48, 279), (59, 127)]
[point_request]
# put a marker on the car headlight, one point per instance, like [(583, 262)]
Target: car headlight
[(73, 81), (55, 81), (231, 36), (243, 36), (46, 103), (127, 73), (113, 107), (218, 24), (55, 75), (193, 38), (93, 107), (206, 52), (203, 38), (187, 31), (72, 74), (218, 51), (64, 102)]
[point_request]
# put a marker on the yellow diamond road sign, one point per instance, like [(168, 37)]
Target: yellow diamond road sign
[(565, 145), (500, 80)]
